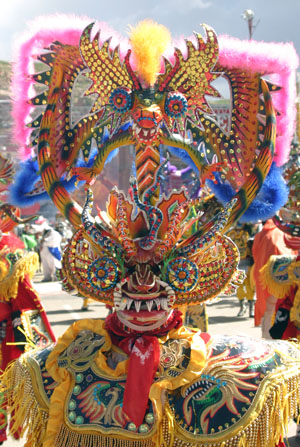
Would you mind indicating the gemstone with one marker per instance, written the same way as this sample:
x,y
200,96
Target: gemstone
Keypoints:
x,y
143,428
72,405
72,416
149,418
131,426
79,378
79,420
76,389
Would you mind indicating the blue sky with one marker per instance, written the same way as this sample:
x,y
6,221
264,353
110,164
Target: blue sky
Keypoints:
x,y
278,20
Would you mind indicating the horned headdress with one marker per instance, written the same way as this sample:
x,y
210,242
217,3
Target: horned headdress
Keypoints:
x,y
148,245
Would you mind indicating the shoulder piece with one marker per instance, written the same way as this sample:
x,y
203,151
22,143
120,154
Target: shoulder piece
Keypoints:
x,y
235,394
280,274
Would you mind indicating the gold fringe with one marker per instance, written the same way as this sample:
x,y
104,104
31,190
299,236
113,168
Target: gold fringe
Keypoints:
x,y
278,289
69,438
277,405
24,410
27,265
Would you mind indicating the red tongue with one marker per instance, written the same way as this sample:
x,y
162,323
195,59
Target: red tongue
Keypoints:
x,y
143,363
146,124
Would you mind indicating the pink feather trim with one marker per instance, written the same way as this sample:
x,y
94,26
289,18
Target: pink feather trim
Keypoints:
x,y
278,62
44,30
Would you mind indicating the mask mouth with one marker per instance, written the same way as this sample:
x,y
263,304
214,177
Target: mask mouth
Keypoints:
x,y
145,132
143,321
146,124
144,311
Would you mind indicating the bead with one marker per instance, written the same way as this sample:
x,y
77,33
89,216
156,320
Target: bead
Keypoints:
x,y
149,418
72,416
72,405
131,426
76,389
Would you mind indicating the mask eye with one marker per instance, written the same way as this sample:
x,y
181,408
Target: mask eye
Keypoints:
x,y
182,274
176,105
103,274
120,100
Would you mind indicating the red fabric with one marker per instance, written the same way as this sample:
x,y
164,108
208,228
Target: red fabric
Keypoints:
x,y
26,299
144,353
286,303
269,241
8,352
11,241
29,299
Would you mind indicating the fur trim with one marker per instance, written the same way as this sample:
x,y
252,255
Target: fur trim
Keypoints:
x,y
272,196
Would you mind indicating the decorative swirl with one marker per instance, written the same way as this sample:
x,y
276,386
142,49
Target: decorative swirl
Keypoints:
x,y
208,238
154,215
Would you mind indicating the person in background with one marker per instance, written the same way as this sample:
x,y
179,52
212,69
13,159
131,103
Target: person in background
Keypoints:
x,y
23,321
50,251
28,238
269,241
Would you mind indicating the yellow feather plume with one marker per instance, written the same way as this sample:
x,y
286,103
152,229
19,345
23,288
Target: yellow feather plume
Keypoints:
x,y
148,41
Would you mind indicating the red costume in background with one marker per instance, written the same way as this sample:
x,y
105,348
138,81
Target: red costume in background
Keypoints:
x,y
269,241
23,321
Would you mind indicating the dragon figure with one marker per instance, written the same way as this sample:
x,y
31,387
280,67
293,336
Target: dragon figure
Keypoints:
x,y
141,378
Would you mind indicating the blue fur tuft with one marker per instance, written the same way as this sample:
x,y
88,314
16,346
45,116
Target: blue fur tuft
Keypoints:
x,y
27,177
272,196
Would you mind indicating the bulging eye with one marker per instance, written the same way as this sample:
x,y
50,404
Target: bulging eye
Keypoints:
x,y
176,105
182,274
120,100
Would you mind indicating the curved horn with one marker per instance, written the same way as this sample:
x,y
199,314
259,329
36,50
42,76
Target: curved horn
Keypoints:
x,y
196,243
10,211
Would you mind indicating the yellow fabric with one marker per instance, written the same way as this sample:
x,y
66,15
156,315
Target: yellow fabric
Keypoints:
x,y
246,290
28,412
27,265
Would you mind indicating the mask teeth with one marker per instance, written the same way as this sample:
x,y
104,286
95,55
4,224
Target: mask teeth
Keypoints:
x,y
138,305
149,305
164,303
122,303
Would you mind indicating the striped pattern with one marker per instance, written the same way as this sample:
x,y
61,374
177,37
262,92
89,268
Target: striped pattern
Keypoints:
x,y
147,161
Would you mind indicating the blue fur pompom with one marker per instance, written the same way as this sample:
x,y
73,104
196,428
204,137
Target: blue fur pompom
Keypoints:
x,y
271,197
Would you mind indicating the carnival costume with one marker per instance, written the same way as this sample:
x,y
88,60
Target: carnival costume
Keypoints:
x,y
140,378
23,322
